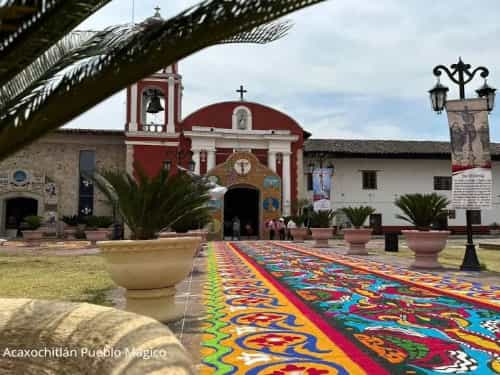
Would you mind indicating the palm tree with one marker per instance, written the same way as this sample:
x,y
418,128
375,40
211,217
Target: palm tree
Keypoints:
x,y
43,85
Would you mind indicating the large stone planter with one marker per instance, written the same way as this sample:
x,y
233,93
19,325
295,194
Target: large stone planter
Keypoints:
x,y
426,245
92,339
149,270
32,235
199,232
357,238
174,235
299,234
97,235
11,234
321,236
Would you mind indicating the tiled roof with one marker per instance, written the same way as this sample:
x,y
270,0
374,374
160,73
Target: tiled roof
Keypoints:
x,y
383,147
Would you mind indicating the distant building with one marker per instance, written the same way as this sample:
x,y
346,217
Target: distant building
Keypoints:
x,y
262,155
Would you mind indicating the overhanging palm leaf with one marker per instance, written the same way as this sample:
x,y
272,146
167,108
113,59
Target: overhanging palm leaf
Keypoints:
x,y
122,55
19,86
31,27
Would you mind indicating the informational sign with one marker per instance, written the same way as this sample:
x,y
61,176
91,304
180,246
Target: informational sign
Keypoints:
x,y
322,184
470,154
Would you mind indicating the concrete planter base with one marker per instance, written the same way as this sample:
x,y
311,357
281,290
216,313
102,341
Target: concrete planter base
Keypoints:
x,y
97,235
149,270
32,235
426,246
299,234
70,233
357,239
321,236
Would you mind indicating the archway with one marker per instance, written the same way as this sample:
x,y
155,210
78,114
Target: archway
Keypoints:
x,y
16,209
242,202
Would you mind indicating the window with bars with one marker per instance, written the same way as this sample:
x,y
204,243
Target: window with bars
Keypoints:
x,y
369,180
475,216
442,182
86,190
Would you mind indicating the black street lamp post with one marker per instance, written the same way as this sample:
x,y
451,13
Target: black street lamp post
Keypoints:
x,y
461,75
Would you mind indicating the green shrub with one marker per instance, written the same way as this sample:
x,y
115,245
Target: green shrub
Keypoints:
x,y
71,221
358,215
422,210
322,218
33,222
104,221
92,222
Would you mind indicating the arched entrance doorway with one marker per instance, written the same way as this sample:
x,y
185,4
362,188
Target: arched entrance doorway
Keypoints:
x,y
242,202
16,209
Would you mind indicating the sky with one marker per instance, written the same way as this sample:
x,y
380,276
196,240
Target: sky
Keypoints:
x,y
348,69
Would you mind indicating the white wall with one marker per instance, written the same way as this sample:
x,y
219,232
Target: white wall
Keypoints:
x,y
396,177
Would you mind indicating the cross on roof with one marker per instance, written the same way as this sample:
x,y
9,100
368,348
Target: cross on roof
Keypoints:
x,y
157,9
242,92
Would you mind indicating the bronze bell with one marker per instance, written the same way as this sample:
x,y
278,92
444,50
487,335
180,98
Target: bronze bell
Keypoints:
x,y
154,105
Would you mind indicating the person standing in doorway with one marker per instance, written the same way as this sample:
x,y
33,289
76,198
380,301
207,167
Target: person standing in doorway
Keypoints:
x,y
291,225
281,228
236,228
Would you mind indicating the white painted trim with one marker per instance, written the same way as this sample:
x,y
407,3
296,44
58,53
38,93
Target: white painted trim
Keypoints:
x,y
271,160
286,185
152,143
143,134
133,108
243,136
171,106
207,129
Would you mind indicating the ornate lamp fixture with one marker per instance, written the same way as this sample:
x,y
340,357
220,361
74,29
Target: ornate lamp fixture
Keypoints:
x,y
488,92
438,94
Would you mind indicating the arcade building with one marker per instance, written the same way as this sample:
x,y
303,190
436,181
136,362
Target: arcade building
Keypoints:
x,y
263,156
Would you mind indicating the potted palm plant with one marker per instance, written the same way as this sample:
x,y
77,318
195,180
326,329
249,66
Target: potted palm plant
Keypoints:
x,y
70,226
321,229
357,237
300,232
33,224
147,267
424,210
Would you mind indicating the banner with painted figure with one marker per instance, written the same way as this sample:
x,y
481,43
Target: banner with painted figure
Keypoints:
x,y
470,154
322,183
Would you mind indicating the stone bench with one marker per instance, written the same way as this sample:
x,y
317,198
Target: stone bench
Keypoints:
x,y
80,338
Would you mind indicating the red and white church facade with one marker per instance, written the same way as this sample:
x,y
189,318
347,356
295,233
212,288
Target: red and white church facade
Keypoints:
x,y
253,150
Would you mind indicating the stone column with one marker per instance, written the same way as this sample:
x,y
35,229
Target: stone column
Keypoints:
x,y
286,184
129,159
210,159
271,160
134,106
171,107
197,161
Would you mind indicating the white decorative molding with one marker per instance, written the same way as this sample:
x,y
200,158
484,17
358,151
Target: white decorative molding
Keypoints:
x,y
144,134
235,119
286,184
152,143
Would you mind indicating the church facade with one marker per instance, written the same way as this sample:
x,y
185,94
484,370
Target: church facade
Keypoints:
x,y
262,155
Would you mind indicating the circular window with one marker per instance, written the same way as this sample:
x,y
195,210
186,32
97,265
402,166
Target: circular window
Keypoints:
x,y
20,177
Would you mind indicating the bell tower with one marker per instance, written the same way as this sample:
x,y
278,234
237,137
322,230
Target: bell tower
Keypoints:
x,y
154,113
154,103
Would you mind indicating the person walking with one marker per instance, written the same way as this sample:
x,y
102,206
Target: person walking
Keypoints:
x,y
236,228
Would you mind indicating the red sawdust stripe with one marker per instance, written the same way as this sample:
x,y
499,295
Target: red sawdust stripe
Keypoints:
x,y
396,278
350,350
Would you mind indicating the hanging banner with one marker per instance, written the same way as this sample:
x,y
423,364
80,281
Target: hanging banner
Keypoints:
x,y
322,183
470,154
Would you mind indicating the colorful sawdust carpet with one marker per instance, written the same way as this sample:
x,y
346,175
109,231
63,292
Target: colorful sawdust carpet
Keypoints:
x,y
277,310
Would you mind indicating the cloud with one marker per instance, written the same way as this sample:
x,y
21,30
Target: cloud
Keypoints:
x,y
371,61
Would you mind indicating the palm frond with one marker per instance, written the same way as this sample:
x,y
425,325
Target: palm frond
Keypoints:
x,y
262,34
32,27
121,55
358,215
41,65
422,210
